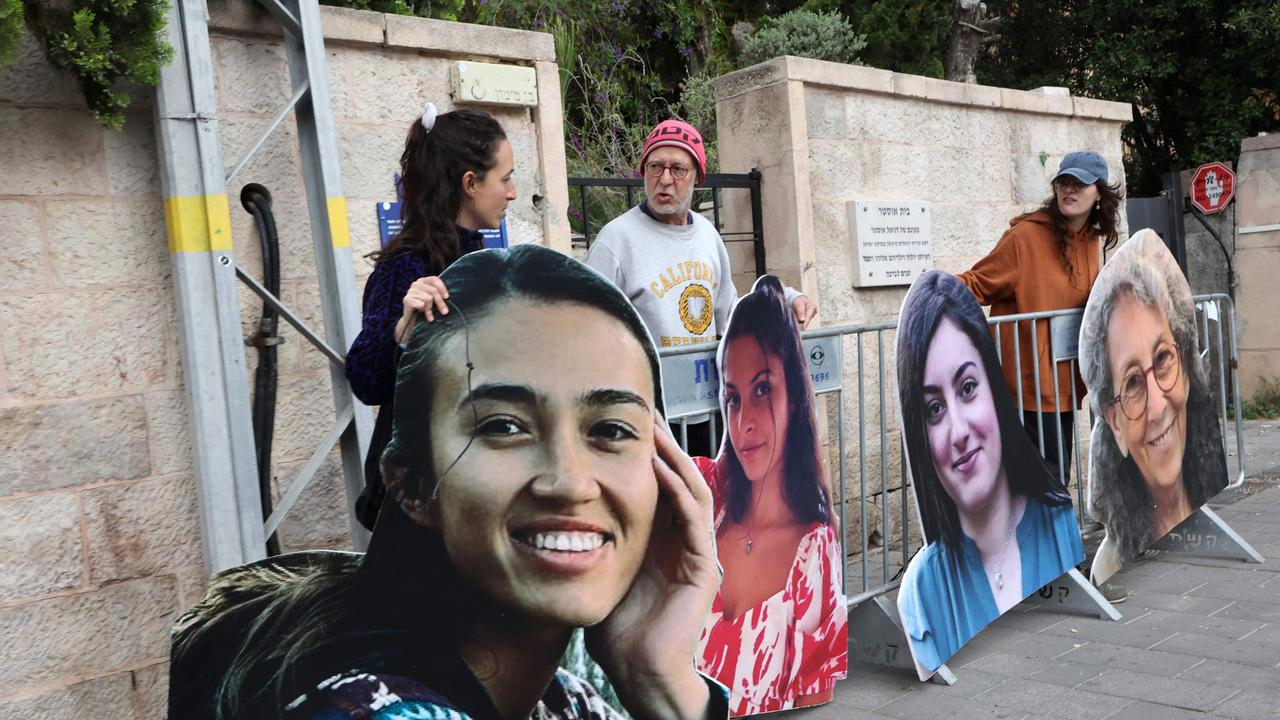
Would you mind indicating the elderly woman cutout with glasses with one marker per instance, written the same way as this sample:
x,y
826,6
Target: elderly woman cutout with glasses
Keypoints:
x,y
1156,451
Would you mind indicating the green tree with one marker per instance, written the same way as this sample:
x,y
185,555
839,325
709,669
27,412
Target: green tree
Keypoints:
x,y
907,37
1200,74
108,45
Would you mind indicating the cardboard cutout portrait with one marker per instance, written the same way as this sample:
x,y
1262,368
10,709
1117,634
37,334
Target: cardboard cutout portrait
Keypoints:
x,y
997,523
1156,452
532,490
777,635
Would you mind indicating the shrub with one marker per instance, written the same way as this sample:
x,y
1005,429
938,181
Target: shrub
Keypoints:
x,y
817,35
1265,402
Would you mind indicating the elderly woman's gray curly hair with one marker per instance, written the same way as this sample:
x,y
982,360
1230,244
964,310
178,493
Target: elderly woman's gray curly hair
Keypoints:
x,y
1144,270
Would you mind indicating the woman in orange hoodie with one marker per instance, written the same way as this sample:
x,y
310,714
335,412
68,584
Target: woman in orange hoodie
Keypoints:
x,y
1048,260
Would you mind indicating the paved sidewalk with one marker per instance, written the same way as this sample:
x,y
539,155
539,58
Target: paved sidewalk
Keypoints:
x,y
1200,638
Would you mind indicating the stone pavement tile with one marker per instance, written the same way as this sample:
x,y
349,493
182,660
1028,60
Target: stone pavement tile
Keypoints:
x,y
1147,568
939,706
1040,698
1033,621
1142,710
1201,579
1251,705
1252,610
1156,662
1242,590
1179,692
1069,674
1235,675
1260,651
1015,642
1132,633
1209,625
834,710
1148,600
1010,666
871,691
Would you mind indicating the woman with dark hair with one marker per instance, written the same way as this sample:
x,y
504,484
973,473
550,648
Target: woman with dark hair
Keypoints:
x,y
1156,453
997,524
529,494
1048,260
777,635
455,174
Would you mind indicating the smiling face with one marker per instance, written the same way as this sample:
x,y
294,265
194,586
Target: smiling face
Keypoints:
x,y
961,421
549,509
669,198
756,408
1157,440
1075,199
484,202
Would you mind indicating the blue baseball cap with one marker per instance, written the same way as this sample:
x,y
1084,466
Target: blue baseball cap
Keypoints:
x,y
1086,166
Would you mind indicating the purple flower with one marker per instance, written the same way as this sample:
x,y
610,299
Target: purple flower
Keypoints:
x,y
686,51
657,32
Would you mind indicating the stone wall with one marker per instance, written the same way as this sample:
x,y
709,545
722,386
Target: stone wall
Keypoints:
x,y
824,134
1257,260
99,533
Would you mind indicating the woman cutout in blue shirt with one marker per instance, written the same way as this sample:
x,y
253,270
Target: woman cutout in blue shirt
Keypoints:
x,y
997,524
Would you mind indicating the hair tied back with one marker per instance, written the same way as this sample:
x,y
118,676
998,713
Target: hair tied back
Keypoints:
x,y
429,117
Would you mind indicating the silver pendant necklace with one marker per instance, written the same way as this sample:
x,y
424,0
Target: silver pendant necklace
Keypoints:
x,y
999,574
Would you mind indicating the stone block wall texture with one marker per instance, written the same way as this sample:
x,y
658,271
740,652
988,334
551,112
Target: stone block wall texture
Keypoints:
x,y
100,541
1257,260
824,134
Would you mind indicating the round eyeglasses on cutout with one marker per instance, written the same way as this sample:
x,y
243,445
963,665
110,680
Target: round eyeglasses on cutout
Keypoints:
x,y
1133,389
655,170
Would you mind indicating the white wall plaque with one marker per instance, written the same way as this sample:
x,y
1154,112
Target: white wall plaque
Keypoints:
x,y
891,242
492,84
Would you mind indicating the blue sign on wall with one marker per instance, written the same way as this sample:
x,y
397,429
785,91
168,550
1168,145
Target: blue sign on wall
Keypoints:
x,y
389,223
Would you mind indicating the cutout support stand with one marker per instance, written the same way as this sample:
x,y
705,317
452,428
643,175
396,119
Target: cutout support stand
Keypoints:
x,y
1075,593
882,641
1204,533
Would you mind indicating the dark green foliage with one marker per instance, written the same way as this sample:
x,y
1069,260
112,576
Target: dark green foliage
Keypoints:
x,y
106,44
817,35
1201,74
906,37
11,16
1264,404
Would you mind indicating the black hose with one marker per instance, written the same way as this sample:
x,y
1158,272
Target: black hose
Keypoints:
x,y
257,200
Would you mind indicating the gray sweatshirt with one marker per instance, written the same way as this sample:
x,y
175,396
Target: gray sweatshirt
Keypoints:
x,y
677,276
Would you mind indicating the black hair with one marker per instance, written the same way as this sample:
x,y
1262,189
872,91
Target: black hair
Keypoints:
x,y
252,651
935,296
431,170
762,315
1144,270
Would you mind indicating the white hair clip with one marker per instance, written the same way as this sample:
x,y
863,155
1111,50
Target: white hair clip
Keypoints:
x,y
429,117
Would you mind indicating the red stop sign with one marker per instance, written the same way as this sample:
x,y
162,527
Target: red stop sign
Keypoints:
x,y
1212,187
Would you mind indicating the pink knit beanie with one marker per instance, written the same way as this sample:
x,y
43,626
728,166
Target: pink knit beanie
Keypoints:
x,y
679,134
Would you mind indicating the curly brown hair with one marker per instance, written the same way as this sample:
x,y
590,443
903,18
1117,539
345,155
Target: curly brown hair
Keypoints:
x,y
1104,219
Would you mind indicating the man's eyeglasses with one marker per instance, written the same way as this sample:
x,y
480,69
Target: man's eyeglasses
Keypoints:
x,y
655,170
1133,389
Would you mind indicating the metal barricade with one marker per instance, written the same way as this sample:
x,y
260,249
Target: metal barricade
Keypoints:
x,y
691,388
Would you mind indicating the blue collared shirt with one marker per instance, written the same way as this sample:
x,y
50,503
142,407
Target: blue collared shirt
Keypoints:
x,y
944,602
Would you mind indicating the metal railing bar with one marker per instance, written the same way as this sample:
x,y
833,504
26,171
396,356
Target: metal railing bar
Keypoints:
x,y
308,471
302,90
289,316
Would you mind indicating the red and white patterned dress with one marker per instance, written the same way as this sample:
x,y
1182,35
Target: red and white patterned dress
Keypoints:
x,y
795,642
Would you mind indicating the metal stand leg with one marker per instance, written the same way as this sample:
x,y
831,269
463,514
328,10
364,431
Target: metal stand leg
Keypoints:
x,y
1204,533
1074,592
876,637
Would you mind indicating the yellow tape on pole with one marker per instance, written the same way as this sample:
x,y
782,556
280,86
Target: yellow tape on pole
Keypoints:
x,y
338,227
198,223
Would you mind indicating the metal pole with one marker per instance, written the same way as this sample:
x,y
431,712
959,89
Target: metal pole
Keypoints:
x,y
327,211
198,223
757,221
